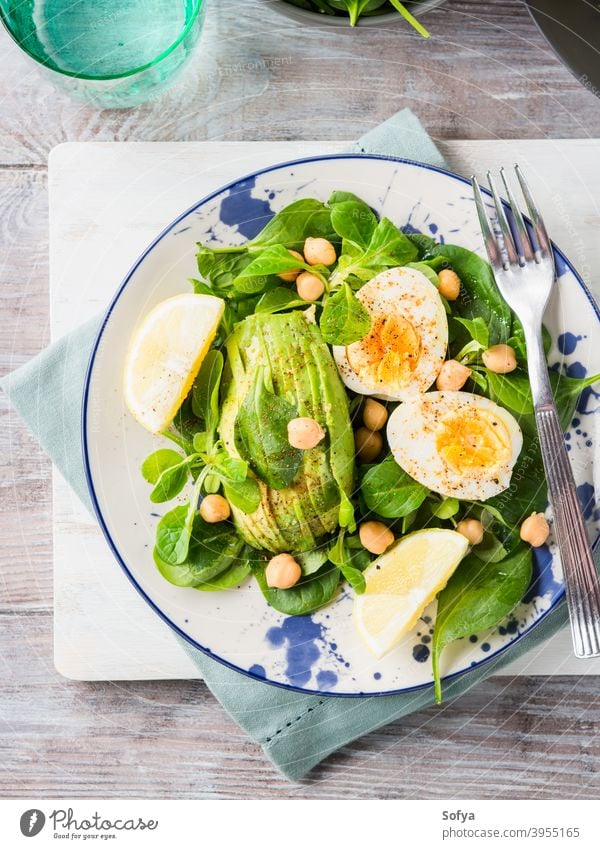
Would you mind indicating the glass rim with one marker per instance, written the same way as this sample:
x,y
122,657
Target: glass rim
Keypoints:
x,y
105,77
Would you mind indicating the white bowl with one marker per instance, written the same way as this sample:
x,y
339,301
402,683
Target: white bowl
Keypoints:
x,y
305,16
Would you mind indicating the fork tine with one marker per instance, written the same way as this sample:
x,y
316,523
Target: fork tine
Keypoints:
x,y
538,223
503,223
491,245
522,241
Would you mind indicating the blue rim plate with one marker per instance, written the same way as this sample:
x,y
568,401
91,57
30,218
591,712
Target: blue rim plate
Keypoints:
x,y
320,653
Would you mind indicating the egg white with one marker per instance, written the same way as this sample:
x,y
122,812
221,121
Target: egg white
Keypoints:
x,y
407,293
412,430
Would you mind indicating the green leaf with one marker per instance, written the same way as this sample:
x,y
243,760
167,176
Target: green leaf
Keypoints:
x,y
231,468
219,267
339,556
344,319
387,248
512,391
426,269
171,482
477,328
490,549
354,221
527,491
213,548
228,579
477,597
244,494
261,438
201,441
390,492
205,392
310,593
155,464
446,508
275,259
311,561
567,391
294,224
278,299
173,535
479,294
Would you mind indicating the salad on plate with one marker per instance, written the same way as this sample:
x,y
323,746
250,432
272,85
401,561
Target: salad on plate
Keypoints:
x,y
343,405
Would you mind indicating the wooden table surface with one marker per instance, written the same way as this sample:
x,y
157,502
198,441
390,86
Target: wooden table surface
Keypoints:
x,y
487,73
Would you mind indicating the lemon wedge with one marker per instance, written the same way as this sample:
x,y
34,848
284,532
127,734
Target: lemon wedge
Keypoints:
x,y
165,355
401,583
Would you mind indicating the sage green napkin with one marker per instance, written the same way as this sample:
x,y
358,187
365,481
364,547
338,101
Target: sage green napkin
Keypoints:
x,y
296,731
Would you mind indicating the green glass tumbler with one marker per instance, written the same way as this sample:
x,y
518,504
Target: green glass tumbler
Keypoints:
x,y
109,53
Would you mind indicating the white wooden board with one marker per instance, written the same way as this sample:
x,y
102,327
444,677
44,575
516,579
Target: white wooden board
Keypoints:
x,y
107,201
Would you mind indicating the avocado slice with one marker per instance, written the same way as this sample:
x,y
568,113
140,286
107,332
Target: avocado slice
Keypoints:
x,y
298,516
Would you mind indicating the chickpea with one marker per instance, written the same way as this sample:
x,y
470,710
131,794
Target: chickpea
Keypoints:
x,y
215,508
310,287
290,276
472,529
283,572
453,376
319,252
304,433
535,530
368,444
500,359
375,537
449,284
374,414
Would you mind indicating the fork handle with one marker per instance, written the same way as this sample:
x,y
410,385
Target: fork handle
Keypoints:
x,y
580,576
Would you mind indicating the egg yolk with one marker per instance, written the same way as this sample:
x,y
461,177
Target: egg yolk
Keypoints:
x,y
389,354
473,439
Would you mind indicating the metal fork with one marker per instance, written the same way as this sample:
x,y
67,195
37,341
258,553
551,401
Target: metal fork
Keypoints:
x,y
525,273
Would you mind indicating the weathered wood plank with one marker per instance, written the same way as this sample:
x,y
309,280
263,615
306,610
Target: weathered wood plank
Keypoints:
x,y
260,75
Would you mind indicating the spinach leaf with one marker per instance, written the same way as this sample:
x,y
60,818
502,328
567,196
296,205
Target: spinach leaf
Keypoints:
x,y
338,555
260,434
479,294
245,494
205,392
219,268
228,579
171,481
158,462
387,248
173,534
272,260
478,596
213,549
478,329
311,561
426,269
344,319
310,593
527,491
388,490
511,390
294,224
567,392
342,197
279,299
354,221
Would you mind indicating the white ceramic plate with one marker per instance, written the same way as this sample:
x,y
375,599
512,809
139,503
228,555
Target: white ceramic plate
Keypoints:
x,y
321,652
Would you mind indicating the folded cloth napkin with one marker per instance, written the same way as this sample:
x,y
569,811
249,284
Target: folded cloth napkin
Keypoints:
x,y
296,731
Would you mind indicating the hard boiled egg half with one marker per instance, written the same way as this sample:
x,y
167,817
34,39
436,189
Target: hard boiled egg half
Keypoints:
x,y
456,443
406,346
